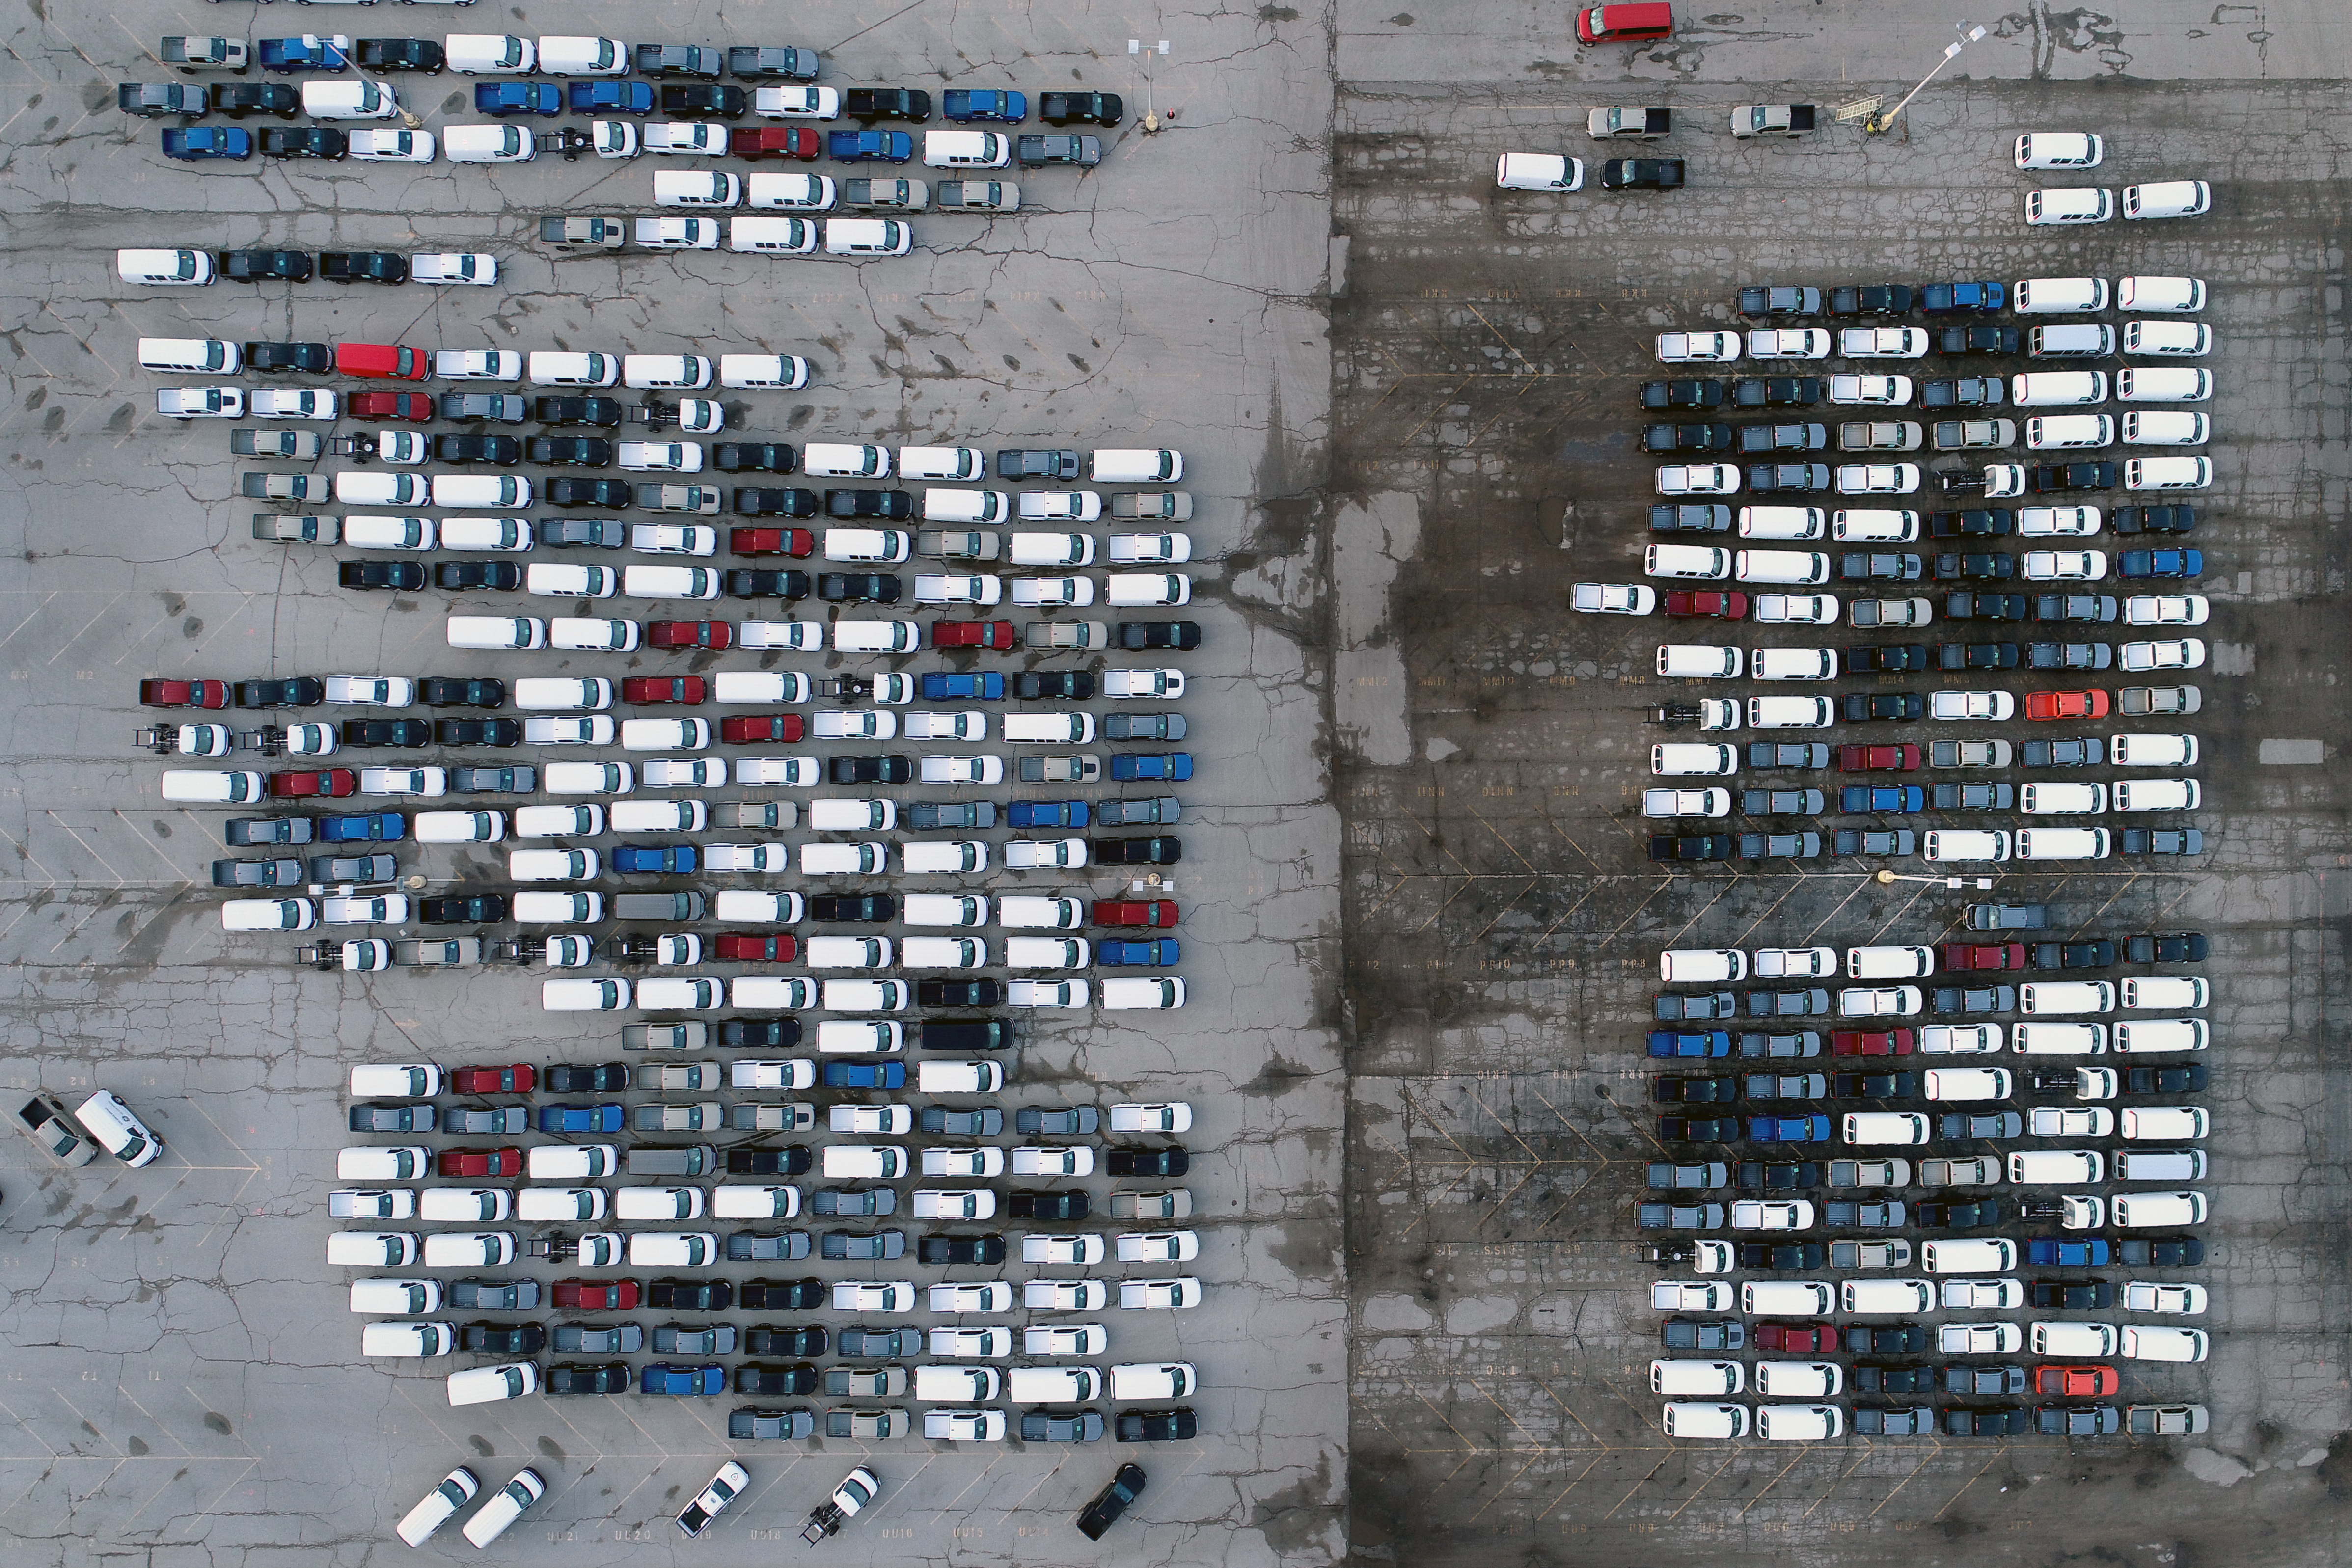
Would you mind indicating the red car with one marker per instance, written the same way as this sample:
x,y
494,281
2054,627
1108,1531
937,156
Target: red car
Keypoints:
x,y
687,689
386,361
1721,606
1872,1042
2075,1380
689,635
481,1162
2066,705
1878,758
1158,912
775,141
745,947
1805,1339
413,406
1990,956
795,542
183,694
328,781
516,1079
972,635
751,729
598,1296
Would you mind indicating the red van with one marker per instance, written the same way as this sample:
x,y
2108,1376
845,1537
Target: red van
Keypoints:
x,y
383,359
1625,24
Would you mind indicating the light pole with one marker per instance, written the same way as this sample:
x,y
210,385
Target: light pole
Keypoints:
x,y
1891,877
1150,121
1951,51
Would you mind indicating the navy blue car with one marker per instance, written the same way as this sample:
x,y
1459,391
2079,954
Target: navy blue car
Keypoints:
x,y
1158,953
864,1075
1789,1129
512,98
2067,1251
1173,765
864,146
309,52
662,1378
656,858
378,828
1047,813
580,1118
195,144
611,98
1004,107
1882,798
2163,563
945,685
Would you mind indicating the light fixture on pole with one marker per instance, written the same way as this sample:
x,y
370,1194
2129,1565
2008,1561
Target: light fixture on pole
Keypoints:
x,y
1150,121
1979,882
1951,51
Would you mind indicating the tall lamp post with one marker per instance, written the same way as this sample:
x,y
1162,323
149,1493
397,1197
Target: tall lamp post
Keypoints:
x,y
1951,51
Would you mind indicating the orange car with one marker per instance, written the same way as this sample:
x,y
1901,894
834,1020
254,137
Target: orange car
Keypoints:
x,y
2074,1381
2066,705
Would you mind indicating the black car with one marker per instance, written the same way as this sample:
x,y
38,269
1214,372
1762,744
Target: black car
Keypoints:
x,y
1047,1205
568,1078
961,1249
387,732
1885,1339
305,141
258,266
299,691
1642,174
2167,947
1699,1129
597,411
759,1034
754,457
401,575
1126,1486
258,873
1685,393
858,587
872,103
1689,518
457,576
271,358
1894,658
2078,751
2097,953
2069,656
236,100
362,267
894,505
1861,707
1964,999
1776,391
1783,1254
2049,478
569,450
1780,437
1977,340
1975,567
759,503
1034,462
613,493
498,732
402,55
773,1295
1156,1427
1688,438
1146,1162
1080,108
1969,391
799,1378
2175,520
1160,849
455,691
865,908
502,1339
2160,1251
1136,636
693,1295
1879,566
885,769
1939,1214
799,1340
573,1377
1962,1423
1965,605
1871,1086
2069,1295
1893,1377
959,993
1871,299
1690,846
1715,1091
750,582
504,451
1071,686
693,101
1976,656
1755,1176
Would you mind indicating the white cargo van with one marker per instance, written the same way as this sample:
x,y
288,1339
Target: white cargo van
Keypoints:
x,y
1904,963
1794,664
1048,729
268,915
1702,965
2168,473
869,237
401,1298
863,544
2062,843
2059,1039
1136,588
1716,1422
2046,296
2163,384
1875,1296
949,465
496,631
698,188
1865,1128
2164,1343
194,354
558,368
2060,998
966,150
1857,526
1052,1384
207,787
1701,1377
1017,912
2087,1341
2056,1167
178,267
567,55
1685,560
481,490
964,505
1968,1083
1780,522
1791,713
1968,1255
1964,844
562,693
1695,659
117,1130
2145,991
2053,389
1776,566
1135,465
2162,1034
2072,340
1675,759
941,909
876,636
2141,1211
1786,1298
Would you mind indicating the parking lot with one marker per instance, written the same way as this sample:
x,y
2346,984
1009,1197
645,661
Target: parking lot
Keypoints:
x,y
1407,406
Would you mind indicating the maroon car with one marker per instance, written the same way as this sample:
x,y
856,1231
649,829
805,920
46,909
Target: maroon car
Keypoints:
x,y
1878,758
518,1078
688,689
972,635
324,781
1872,1042
481,1162
794,542
748,948
1154,911
1689,601
775,141
1802,1339
183,694
598,1296
1984,956
689,635
751,729
417,407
